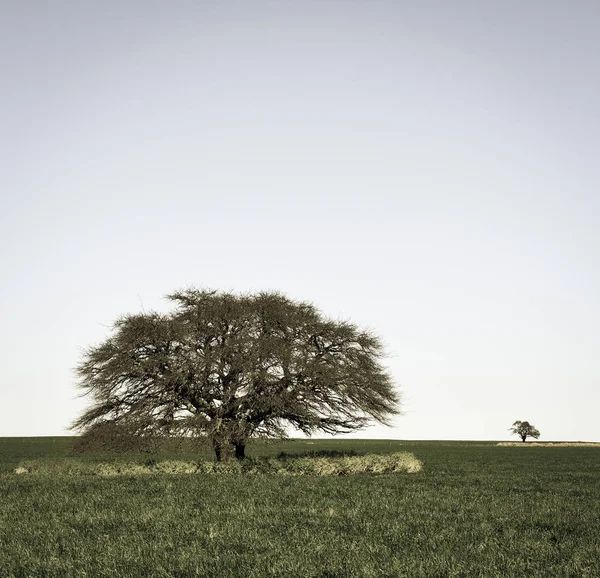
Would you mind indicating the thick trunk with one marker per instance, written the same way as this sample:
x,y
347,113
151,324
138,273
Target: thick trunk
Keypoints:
x,y
523,438
240,450
226,452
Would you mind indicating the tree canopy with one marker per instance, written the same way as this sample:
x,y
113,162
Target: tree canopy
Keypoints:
x,y
524,430
226,367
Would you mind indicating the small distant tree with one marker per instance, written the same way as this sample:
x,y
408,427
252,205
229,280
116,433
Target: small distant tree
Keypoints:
x,y
524,430
225,368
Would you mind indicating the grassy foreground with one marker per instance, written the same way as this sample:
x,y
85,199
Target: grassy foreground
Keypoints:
x,y
475,509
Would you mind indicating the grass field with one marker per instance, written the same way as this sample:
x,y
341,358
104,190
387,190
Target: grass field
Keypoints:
x,y
474,510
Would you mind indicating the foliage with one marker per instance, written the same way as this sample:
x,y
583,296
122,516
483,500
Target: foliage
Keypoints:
x,y
524,430
113,437
225,368
474,510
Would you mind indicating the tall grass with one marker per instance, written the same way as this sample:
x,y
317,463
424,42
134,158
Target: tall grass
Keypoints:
x,y
316,464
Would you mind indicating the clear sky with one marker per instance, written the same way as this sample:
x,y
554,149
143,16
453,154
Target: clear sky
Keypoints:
x,y
426,169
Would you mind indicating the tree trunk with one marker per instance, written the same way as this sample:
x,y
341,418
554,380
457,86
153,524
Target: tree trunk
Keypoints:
x,y
523,438
240,450
217,447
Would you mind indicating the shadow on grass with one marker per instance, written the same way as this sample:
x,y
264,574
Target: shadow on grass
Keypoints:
x,y
319,454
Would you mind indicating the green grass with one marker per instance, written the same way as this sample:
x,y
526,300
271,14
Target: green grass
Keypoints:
x,y
475,509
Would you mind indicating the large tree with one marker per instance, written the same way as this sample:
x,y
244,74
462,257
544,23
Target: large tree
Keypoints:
x,y
226,367
524,430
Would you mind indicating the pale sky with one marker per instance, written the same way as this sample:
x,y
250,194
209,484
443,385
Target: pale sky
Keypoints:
x,y
425,169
